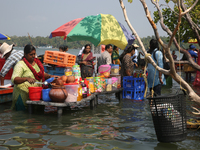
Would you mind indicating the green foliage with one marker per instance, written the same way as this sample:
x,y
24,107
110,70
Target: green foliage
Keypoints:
x,y
130,1
171,20
21,41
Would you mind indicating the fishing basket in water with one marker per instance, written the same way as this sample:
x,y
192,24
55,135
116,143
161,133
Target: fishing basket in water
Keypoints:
x,y
169,117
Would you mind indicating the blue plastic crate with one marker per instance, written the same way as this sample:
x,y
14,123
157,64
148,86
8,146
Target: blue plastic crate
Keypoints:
x,y
128,94
139,94
134,94
131,82
54,70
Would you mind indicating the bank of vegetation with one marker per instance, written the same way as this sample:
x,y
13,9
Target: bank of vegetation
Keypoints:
x,y
21,41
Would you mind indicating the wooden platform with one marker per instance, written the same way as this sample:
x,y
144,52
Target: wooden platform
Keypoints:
x,y
93,98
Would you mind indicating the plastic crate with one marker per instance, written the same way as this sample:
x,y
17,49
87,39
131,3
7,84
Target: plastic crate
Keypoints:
x,y
59,58
131,82
9,74
54,70
134,94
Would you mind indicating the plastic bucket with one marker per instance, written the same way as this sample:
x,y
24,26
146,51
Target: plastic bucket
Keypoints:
x,y
35,93
45,95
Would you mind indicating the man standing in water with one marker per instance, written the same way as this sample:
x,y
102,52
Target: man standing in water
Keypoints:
x,y
156,82
12,57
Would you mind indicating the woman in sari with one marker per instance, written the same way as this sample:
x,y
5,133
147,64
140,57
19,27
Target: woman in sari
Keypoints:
x,y
86,62
127,66
26,72
115,55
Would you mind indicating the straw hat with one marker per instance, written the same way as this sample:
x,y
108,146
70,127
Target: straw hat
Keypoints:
x,y
5,48
135,45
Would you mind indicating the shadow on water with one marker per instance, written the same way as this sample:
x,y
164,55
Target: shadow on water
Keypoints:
x,y
112,125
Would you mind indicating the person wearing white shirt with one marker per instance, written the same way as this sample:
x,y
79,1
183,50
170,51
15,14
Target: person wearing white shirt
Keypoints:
x,y
134,57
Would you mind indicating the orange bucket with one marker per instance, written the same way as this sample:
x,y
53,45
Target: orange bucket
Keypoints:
x,y
35,93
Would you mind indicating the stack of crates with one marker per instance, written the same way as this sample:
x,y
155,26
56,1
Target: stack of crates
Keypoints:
x,y
134,88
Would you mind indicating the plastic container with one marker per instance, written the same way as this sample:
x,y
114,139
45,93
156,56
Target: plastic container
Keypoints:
x,y
114,69
104,70
76,72
45,95
68,71
35,93
73,93
84,89
97,84
114,83
103,84
91,84
109,84
118,80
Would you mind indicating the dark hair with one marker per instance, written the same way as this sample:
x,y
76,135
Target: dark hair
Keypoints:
x,y
154,44
29,48
127,50
114,47
142,62
61,47
108,46
85,47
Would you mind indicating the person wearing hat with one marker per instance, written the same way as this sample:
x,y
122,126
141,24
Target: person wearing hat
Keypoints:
x,y
134,57
191,51
12,57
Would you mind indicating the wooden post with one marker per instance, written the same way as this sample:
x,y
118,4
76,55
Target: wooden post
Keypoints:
x,y
92,103
30,109
59,111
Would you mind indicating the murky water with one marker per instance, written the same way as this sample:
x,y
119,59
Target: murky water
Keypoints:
x,y
112,125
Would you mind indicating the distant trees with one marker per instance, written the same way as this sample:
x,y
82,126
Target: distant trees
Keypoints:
x,y
21,41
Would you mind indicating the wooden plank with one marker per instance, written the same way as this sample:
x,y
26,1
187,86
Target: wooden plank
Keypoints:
x,y
65,104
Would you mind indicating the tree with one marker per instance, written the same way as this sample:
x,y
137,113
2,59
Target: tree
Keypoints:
x,y
188,29
166,46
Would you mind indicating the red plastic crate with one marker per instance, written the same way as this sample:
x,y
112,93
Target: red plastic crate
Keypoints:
x,y
62,59
9,74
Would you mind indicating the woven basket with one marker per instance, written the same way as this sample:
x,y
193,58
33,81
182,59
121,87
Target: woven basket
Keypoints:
x,y
169,117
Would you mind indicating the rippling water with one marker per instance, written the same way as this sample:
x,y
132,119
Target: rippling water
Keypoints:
x,y
112,125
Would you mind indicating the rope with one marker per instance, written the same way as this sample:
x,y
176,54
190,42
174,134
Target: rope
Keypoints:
x,y
145,78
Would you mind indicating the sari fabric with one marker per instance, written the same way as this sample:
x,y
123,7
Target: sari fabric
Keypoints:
x,y
115,57
87,70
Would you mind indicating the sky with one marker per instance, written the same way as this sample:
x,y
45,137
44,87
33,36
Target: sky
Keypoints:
x,y
41,17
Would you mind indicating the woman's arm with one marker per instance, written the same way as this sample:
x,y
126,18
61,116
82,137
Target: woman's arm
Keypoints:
x,y
19,80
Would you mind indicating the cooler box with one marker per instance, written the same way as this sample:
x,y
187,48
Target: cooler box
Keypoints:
x,y
59,71
59,58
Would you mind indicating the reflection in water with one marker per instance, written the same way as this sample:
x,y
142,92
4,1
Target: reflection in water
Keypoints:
x,y
113,125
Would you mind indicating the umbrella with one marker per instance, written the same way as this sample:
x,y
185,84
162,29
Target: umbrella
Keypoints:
x,y
4,37
99,29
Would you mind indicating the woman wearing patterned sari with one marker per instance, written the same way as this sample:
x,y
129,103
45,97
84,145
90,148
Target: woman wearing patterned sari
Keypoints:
x,y
115,55
26,72
86,62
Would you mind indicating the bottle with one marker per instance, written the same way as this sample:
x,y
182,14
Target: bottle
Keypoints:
x,y
84,89
87,85
79,93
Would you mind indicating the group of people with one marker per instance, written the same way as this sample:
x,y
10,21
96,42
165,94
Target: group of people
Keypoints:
x,y
28,69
